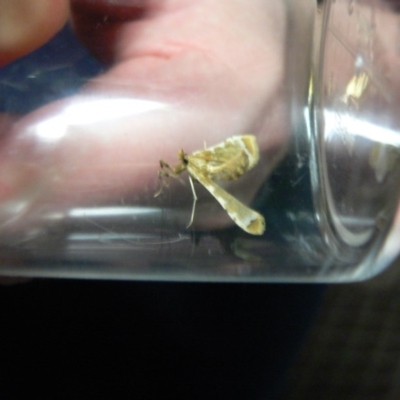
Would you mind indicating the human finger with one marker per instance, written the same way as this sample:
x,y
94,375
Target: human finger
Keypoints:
x,y
174,85
26,25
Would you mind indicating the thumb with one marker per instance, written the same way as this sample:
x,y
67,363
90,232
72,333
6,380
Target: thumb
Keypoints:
x,y
26,25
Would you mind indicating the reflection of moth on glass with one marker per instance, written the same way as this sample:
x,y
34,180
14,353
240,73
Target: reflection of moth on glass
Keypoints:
x,y
356,89
227,161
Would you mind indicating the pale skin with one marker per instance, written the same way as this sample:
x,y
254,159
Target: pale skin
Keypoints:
x,y
215,68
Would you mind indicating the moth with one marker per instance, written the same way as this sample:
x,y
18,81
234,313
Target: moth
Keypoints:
x,y
226,161
356,89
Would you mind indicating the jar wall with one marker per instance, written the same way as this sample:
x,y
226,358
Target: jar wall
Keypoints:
x,y
87,120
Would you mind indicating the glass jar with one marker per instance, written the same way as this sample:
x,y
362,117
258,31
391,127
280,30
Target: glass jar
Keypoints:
x,y
275,123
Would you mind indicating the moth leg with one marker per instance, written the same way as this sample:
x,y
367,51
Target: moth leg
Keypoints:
x,y
194,202
163,173
167,171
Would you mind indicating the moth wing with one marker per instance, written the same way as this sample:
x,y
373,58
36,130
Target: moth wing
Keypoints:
x,y
249,220
230,159
234,144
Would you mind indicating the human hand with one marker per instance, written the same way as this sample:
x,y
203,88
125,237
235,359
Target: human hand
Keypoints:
x,y
204,70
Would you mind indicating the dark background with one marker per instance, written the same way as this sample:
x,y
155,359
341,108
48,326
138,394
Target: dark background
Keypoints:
x,y
69,339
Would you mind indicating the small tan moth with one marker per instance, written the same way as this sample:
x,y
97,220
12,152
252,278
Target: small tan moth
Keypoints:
x,y
227,161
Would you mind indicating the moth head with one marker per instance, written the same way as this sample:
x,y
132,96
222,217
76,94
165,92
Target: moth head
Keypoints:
x,y
182,157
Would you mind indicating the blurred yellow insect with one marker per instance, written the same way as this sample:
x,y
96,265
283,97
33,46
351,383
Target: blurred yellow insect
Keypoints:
x,y
227,161
356,89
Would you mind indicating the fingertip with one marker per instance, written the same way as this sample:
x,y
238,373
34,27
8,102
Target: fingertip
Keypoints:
x,y
26,25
